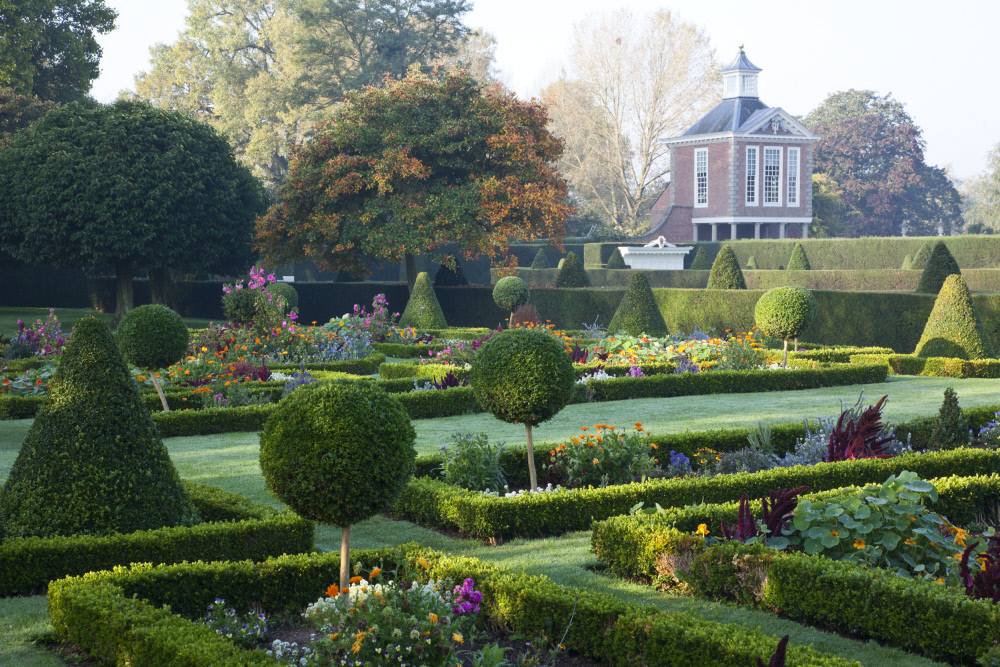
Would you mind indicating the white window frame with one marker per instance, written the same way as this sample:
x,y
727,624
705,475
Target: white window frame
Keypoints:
x,y
763,185
754,191
697,152
732,85
792,177
749,85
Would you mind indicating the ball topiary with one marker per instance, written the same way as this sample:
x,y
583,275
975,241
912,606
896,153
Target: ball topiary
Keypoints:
x,y
541,261
638,313
572,273
726,273
240,306
920,259
423,311
152,337
523,376
752,264
798,260
940,265
285,290
616,261
700,261
448,277
954,328
511,292
93,462
785,312
338,453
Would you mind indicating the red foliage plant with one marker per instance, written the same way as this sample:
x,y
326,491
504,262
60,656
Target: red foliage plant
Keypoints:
x,y
859,438
578,355
778,659
778,506
985,583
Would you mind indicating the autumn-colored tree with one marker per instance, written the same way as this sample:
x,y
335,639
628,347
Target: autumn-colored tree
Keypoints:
x,y
19,111
413,165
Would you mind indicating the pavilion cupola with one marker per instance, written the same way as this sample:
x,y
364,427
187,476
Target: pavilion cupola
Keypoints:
x,y
739,78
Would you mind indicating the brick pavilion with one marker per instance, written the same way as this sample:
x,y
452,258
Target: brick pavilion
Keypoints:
x,y
742,171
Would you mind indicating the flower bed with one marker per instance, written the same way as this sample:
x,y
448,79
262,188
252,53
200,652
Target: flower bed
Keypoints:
x,y
233,529
119,616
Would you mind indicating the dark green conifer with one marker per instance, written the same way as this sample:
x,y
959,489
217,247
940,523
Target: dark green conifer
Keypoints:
x,y
954,328
907,263
951,429
572,273
726,273
423,311
752,264
540,261
638,313
920,259
940,265
616,261
798,261
700,261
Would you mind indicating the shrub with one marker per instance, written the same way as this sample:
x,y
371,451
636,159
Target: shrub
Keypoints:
x,y
423,310
511,292
290,294
954,328
523,376
88,471
240,306
726,273
638,313
951,429
940,265
862,437
602,458
616,261
473,463
785,312
338,453
920,259
752,263
152,337
448,277
700,261
798,260
526,314
572,273
541,261
907,263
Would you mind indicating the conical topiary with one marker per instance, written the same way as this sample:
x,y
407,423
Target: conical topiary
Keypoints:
x,y
940,265
798,261
616,261
93,462
540,261
907,263
954,328
423,310
572,273
752,264
700,261
447,277
638,313
920,259
726,273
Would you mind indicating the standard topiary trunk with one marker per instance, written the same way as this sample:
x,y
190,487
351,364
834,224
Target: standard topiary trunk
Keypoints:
x,y
345,563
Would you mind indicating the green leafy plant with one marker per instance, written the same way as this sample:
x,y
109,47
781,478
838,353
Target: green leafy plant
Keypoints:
x,y
572,273
152,337
605,457
785,312
473,463
951,428
289,294
726,272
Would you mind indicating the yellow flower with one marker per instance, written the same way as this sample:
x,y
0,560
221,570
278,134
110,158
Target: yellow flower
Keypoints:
x,y
204,349
702,529
334,635
458,638
595,462
859,544
433,619
423,563
835,533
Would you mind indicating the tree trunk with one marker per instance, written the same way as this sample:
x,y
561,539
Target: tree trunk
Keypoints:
x,y
123,290
411,271
784,355
531,459
156,383
796,344
345,563
159,285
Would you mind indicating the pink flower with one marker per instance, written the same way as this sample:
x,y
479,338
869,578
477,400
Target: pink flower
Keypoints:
x,y
239,286
270,277
293,316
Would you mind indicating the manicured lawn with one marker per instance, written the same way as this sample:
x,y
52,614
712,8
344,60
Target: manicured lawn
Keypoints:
x,y
67,318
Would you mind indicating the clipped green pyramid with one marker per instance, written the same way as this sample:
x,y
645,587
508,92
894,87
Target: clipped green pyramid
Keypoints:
x,y
907,263
700,261
940,265
726,273
572,273
638,313
447,277
752,264
920,259
540,261
423,310
93,462
798,260
954,328
616,261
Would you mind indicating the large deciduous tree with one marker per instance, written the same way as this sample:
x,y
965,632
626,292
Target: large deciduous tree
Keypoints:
x,y
17,112
982,198
412,166
48,47
126,186
631,80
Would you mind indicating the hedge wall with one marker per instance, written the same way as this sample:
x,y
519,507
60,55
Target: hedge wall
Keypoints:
x,y
904,364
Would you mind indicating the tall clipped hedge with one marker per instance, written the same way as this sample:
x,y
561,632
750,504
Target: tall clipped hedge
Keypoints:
x,y
572,273
700,261
638,313
798,261
940,265
423,310
726,273
954,329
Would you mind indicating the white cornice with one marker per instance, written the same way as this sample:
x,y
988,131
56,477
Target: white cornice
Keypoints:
x,y
724,136
741,219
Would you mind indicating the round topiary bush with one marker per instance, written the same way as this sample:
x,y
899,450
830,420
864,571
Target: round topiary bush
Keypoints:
x,y
338,453
523,376
785,312
240,306
152,337
511,292
287,291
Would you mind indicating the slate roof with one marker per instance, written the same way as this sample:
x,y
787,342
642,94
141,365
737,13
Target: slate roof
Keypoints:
x,y
741,62
728,116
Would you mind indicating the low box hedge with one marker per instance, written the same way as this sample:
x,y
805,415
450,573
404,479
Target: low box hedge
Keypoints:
x,y
428,371
367,366
840,355
18,366
907,364
433,503
233,529
401,351
130,615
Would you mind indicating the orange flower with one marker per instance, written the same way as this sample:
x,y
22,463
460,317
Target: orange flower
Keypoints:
x,y
638,424
377,571
458,638
334,635
423,563
355,580
584,428
596,462
433,618
654,446
333,591
835,533
859,544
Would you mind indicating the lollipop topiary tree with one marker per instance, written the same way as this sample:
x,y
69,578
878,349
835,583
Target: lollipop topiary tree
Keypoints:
x,y
509,293
152,337
785,312
289,293
338,453
523,376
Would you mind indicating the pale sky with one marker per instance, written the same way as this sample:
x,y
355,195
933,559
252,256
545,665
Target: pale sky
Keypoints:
x,y
932,56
